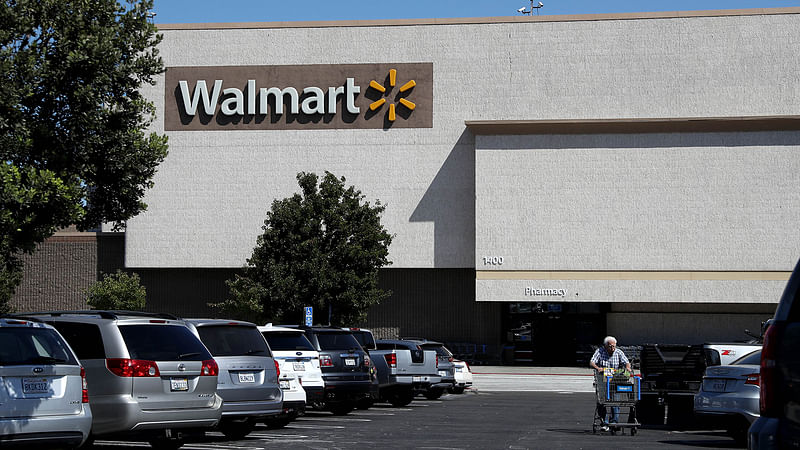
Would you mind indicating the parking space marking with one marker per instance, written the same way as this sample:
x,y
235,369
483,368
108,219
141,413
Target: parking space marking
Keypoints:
x,y
312,427
334,419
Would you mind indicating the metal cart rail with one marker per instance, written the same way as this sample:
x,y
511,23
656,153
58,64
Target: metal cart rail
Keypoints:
x,y
617,389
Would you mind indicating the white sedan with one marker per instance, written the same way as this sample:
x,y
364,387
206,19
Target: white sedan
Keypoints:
x,y
463,377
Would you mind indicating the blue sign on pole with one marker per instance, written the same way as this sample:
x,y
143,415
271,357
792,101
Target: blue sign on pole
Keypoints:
x,y
309,315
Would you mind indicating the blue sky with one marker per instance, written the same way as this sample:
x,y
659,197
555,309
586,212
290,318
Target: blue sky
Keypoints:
x,y
199,11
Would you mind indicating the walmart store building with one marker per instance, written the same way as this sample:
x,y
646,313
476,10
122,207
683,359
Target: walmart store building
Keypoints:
x,y
549,180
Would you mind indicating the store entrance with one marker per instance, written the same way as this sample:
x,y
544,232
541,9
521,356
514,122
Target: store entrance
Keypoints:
x,y
551,334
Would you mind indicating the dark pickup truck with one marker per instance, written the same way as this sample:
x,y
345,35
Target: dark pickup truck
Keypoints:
x,y
673,373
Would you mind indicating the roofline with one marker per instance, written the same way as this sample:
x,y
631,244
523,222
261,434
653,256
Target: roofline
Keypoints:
x,y
636,126
479,20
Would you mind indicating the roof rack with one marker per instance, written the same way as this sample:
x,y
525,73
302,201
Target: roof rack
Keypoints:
x,y
105,314
19,317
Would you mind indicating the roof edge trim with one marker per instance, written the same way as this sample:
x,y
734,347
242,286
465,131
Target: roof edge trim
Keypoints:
x,y
479,20
635,126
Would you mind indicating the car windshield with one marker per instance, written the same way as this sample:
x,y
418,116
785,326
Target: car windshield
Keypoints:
x,y
233,340
337,341
163,343
753,358
26,346
283,341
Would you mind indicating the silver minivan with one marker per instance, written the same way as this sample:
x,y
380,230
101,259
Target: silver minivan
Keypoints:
x,y
248,375
149,377
43,396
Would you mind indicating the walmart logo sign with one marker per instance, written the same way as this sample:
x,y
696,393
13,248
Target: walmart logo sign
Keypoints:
x,y
299,97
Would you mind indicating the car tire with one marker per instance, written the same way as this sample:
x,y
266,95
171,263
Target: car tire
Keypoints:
x,y
163,443
277,423
401,397
365,403
456,390
237,430
341,409
434,393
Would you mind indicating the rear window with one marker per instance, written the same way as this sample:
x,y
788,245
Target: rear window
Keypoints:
x,y
27,346
84,338
283,341
753,358
440,349
233,340
365,339
163,343
337,341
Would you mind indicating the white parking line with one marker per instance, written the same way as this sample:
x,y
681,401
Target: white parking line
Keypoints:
x,y
332,419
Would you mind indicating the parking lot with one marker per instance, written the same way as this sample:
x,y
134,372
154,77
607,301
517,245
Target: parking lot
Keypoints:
x,y
510,407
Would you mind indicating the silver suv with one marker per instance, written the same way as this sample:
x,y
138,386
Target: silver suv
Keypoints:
x,y
248,375
150,378
43,397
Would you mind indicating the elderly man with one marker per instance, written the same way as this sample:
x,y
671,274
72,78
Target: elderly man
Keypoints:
x,y
609,356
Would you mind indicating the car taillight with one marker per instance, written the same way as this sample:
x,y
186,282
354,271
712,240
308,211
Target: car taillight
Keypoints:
x,y
84,387
277,367
123,367
325,361
769,403
209,368
391,359
437,362
752,378
466,364
449,359
366,361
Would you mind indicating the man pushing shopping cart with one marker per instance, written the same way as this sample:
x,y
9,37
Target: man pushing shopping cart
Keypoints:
x,y
615,387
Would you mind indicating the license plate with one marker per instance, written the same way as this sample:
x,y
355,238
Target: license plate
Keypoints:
x,y
35,386
247,378
458,369
416,379
284,384
349,362
299,367
442,373
718,386
179,384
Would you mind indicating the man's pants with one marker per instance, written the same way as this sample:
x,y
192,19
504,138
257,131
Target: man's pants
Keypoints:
x,y
601,411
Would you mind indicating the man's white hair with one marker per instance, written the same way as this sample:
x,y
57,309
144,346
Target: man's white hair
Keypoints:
x,y
609,339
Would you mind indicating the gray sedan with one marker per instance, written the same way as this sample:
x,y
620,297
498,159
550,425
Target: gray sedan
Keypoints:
x,y
729,395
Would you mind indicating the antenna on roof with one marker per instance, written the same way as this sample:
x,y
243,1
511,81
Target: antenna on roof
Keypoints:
x,y
529,11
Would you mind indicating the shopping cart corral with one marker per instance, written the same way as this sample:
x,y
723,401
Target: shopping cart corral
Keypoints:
x,y
616,389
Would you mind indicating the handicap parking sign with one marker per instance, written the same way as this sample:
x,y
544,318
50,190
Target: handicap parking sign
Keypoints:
x,y
309,313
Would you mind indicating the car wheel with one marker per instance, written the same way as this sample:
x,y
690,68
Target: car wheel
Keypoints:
x,y
433,394
237,430
365,403
341,409
401,397
456,390
163,443
277,423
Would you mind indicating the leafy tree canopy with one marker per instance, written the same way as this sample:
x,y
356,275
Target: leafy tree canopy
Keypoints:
x,y
117,291
72,146
321,247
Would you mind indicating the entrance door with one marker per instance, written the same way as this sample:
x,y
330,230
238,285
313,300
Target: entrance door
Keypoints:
x,y
551,334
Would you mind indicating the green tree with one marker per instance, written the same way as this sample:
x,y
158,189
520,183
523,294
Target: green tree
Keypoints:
x,y
322,248
72,146
117,291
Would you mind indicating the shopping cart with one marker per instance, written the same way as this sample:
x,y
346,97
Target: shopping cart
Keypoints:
x,y
617,389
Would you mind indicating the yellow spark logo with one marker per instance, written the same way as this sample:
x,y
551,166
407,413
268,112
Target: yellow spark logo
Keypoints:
x,y
403,89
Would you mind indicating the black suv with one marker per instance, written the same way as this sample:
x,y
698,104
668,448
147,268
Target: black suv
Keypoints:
x,y
345,368
779,424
